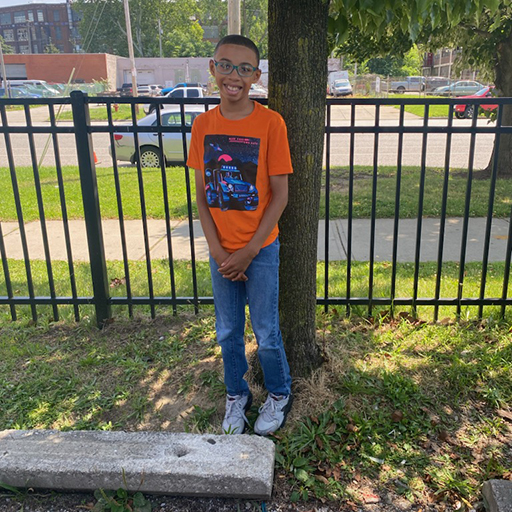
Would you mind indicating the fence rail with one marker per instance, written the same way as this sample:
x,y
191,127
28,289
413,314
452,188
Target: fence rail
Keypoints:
x,y
348,122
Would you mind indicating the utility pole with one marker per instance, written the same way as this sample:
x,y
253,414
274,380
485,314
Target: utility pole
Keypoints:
x,y
160,37
4,75
233,16
130,47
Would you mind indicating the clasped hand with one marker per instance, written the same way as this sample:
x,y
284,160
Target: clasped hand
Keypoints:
x,y
233,267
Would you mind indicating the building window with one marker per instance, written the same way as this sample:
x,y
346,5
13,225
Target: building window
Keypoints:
x,y
56,15
19,17
9,34
58,33
30,15
35,49
24,49
5,18
40,15
22,34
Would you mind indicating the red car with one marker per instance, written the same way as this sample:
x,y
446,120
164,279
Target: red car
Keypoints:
x,y
465,111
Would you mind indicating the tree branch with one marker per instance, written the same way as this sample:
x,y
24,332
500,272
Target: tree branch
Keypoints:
x,y
480,32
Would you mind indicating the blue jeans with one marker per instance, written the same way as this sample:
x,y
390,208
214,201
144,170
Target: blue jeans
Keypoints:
x,y
261,291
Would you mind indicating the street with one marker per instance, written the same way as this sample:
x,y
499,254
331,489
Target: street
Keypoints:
x,y
339,146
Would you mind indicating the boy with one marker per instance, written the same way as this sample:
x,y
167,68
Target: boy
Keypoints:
x,y
240,154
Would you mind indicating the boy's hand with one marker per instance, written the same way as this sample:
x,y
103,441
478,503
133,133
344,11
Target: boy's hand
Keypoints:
x,y
235,265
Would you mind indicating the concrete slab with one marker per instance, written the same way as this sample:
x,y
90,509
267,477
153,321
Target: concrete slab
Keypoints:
x,y
152,462
498,495
407,230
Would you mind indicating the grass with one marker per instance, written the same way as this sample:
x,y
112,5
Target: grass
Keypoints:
x,y
400,407
178,205
124,113
183,276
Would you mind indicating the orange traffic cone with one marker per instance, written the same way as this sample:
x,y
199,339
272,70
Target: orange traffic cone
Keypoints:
x,y
95,158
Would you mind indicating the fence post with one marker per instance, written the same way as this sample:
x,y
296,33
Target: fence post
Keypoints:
x,y
89,184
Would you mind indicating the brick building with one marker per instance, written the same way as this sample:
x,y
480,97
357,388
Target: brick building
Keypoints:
x,y
30,28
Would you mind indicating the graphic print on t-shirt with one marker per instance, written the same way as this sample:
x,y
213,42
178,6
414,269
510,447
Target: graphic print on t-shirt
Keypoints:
x,y
230,170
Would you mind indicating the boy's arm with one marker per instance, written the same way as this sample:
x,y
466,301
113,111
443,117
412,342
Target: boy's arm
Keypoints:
x,y
236,263
218,253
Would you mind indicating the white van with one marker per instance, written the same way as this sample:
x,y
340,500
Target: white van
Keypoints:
x,y
21,83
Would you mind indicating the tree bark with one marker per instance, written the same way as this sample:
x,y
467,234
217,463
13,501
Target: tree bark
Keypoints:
x,y
298,53
503,84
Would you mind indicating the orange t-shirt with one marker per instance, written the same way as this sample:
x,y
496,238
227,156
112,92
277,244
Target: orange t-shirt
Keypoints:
x,y
236,159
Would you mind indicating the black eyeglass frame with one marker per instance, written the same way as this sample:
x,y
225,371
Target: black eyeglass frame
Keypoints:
x,y
233,67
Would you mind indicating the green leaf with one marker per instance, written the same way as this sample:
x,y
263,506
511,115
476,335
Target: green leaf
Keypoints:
x,y
122,493
300,462
301,475
294,496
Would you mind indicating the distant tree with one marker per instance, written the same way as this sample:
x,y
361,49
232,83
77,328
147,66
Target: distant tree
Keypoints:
x,y
189,43
51,48
397,65
6,48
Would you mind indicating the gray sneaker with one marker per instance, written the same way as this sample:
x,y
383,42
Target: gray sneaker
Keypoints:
x,y
235,421
273,414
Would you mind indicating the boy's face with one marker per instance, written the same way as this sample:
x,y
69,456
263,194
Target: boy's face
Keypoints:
x,y
233,87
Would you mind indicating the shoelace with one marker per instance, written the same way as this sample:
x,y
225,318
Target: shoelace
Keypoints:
x,y
269,408
238,410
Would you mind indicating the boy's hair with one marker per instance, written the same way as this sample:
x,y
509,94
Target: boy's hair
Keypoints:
x,y
240,41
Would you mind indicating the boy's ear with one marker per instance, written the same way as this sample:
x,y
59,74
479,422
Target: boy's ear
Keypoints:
x,y
212,67
256,76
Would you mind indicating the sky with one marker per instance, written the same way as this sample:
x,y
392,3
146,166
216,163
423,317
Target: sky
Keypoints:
x,y
10,3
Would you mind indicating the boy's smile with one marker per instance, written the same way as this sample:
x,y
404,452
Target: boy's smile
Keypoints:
x,y
234,89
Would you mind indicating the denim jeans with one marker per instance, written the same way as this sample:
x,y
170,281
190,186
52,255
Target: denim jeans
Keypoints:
x,y
261,291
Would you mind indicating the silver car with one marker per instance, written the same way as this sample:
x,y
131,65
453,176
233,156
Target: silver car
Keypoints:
x,y
148,141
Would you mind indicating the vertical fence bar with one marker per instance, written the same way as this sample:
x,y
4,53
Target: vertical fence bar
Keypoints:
x,y
506,275
42,217
465,224
189,211
374,210
488,226
442,220
350,205
120,213
65,221
89,185
327,208
167,214
7,275
142,197
419,225
19,214
394,257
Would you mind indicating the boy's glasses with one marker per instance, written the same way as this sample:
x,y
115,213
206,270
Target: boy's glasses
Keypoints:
x,y
226,68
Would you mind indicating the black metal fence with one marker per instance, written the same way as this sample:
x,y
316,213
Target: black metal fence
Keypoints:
x,y
362,135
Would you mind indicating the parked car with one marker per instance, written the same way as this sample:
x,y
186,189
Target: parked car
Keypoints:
x,y
166,90
19,92
341,87
466,111
433,82
180,92
460,88
409,83
143,90
149,141
126,90
257,91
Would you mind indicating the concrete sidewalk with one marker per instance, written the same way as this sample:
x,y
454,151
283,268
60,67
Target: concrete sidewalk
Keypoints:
x,y
338,240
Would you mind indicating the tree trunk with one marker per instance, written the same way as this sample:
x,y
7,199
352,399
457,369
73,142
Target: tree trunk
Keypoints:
x,y
298,53
504,86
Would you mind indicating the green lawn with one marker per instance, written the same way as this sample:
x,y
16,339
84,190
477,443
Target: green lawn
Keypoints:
x,y
124,113
177,193
183,274
401,409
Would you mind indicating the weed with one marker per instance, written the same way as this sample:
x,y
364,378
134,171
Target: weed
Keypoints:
x,y
120,501
199,419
